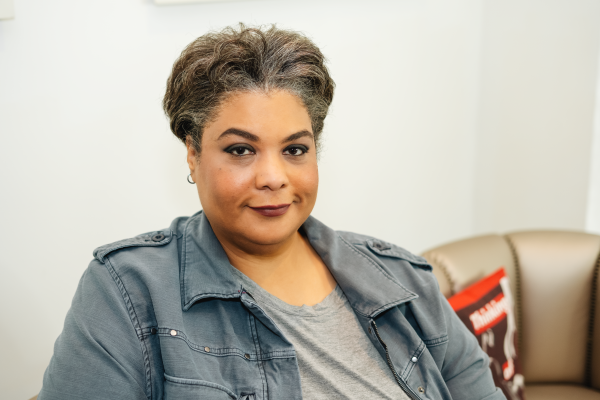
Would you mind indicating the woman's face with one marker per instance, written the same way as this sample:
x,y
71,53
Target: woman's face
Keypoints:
x,y
257,173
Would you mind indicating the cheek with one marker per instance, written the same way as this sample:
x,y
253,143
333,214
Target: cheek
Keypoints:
x,y
307,181
223,185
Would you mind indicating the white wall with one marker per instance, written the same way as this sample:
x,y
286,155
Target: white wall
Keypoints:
x,y
538,86
86,156
593,204
6,9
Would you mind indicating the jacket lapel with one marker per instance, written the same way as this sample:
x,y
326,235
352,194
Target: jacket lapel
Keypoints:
x,y
206,271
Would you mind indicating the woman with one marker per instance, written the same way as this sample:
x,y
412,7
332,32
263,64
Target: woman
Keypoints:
x,y
252,298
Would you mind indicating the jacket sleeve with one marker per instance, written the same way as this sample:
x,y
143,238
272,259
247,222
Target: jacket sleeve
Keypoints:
x,y
466,366
98,354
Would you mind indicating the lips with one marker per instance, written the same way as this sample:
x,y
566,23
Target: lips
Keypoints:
x,y
272,210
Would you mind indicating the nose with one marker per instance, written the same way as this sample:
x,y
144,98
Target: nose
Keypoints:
x,y
271,173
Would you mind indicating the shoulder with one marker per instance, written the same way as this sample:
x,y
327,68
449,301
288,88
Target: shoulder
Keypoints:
x,y
143,263
382,248
149,240
142,271
410,270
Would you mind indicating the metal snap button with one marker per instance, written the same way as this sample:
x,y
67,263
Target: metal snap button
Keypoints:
x,y
173,332
414,359
154,331
377,245
420,389
158,237
247,356
207,349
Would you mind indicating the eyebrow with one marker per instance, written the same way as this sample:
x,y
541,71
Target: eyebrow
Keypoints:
x,y
297,135
253,138
238,132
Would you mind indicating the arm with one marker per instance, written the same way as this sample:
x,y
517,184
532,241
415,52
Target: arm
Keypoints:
x,y
466,367
98,354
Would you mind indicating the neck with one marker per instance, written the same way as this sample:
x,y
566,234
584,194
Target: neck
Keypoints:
x,y
292,270
267,261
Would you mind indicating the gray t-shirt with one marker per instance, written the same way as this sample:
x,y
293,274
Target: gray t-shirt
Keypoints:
x,y
336,358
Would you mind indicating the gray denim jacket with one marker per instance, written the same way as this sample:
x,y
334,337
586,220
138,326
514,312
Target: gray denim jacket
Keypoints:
x,y
161,316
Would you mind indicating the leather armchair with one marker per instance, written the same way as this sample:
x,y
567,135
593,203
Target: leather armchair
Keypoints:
x,y
554,279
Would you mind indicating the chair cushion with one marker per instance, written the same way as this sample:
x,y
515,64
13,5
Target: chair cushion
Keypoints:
x,y
459,264
560,392
556,270
595,364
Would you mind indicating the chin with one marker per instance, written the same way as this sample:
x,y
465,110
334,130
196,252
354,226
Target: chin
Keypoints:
x,y
267,240
269,231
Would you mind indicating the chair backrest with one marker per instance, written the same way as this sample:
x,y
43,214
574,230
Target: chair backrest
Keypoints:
x,y
554,279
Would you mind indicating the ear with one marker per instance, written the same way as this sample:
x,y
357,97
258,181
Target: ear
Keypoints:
x,y
192,154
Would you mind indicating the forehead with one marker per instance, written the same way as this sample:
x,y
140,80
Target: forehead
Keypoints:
x,y
276,113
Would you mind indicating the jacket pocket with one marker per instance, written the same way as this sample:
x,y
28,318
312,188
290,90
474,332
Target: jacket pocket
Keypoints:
x,y
193,389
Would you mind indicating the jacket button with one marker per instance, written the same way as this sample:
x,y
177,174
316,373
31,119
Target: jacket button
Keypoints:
x,y
153,331
158,237
173,332
247,356
420,389
414,359
207,349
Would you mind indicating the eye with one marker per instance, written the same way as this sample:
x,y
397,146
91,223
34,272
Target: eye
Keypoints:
x,y
239,150
295,150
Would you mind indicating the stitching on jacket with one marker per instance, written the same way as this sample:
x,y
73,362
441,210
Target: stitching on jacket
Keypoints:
x,y
194,382
411,365
385,307
370,262
101,255
378,268
135,322
183,264
517,295
228,351
390,252
257,348
436,341
590,338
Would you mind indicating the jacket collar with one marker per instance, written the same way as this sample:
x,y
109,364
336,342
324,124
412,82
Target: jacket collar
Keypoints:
x,y
207,273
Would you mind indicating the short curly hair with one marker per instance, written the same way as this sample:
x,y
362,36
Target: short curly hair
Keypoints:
x,y
244,59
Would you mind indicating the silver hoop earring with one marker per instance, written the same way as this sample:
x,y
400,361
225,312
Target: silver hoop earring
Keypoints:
x,y
189,179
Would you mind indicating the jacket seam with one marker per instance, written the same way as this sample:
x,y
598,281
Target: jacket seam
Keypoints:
x,y
392,253
136,241
225,352
385,275
436,341
194,382
184,264
370,261
377,267
259,352
135,323
411,365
